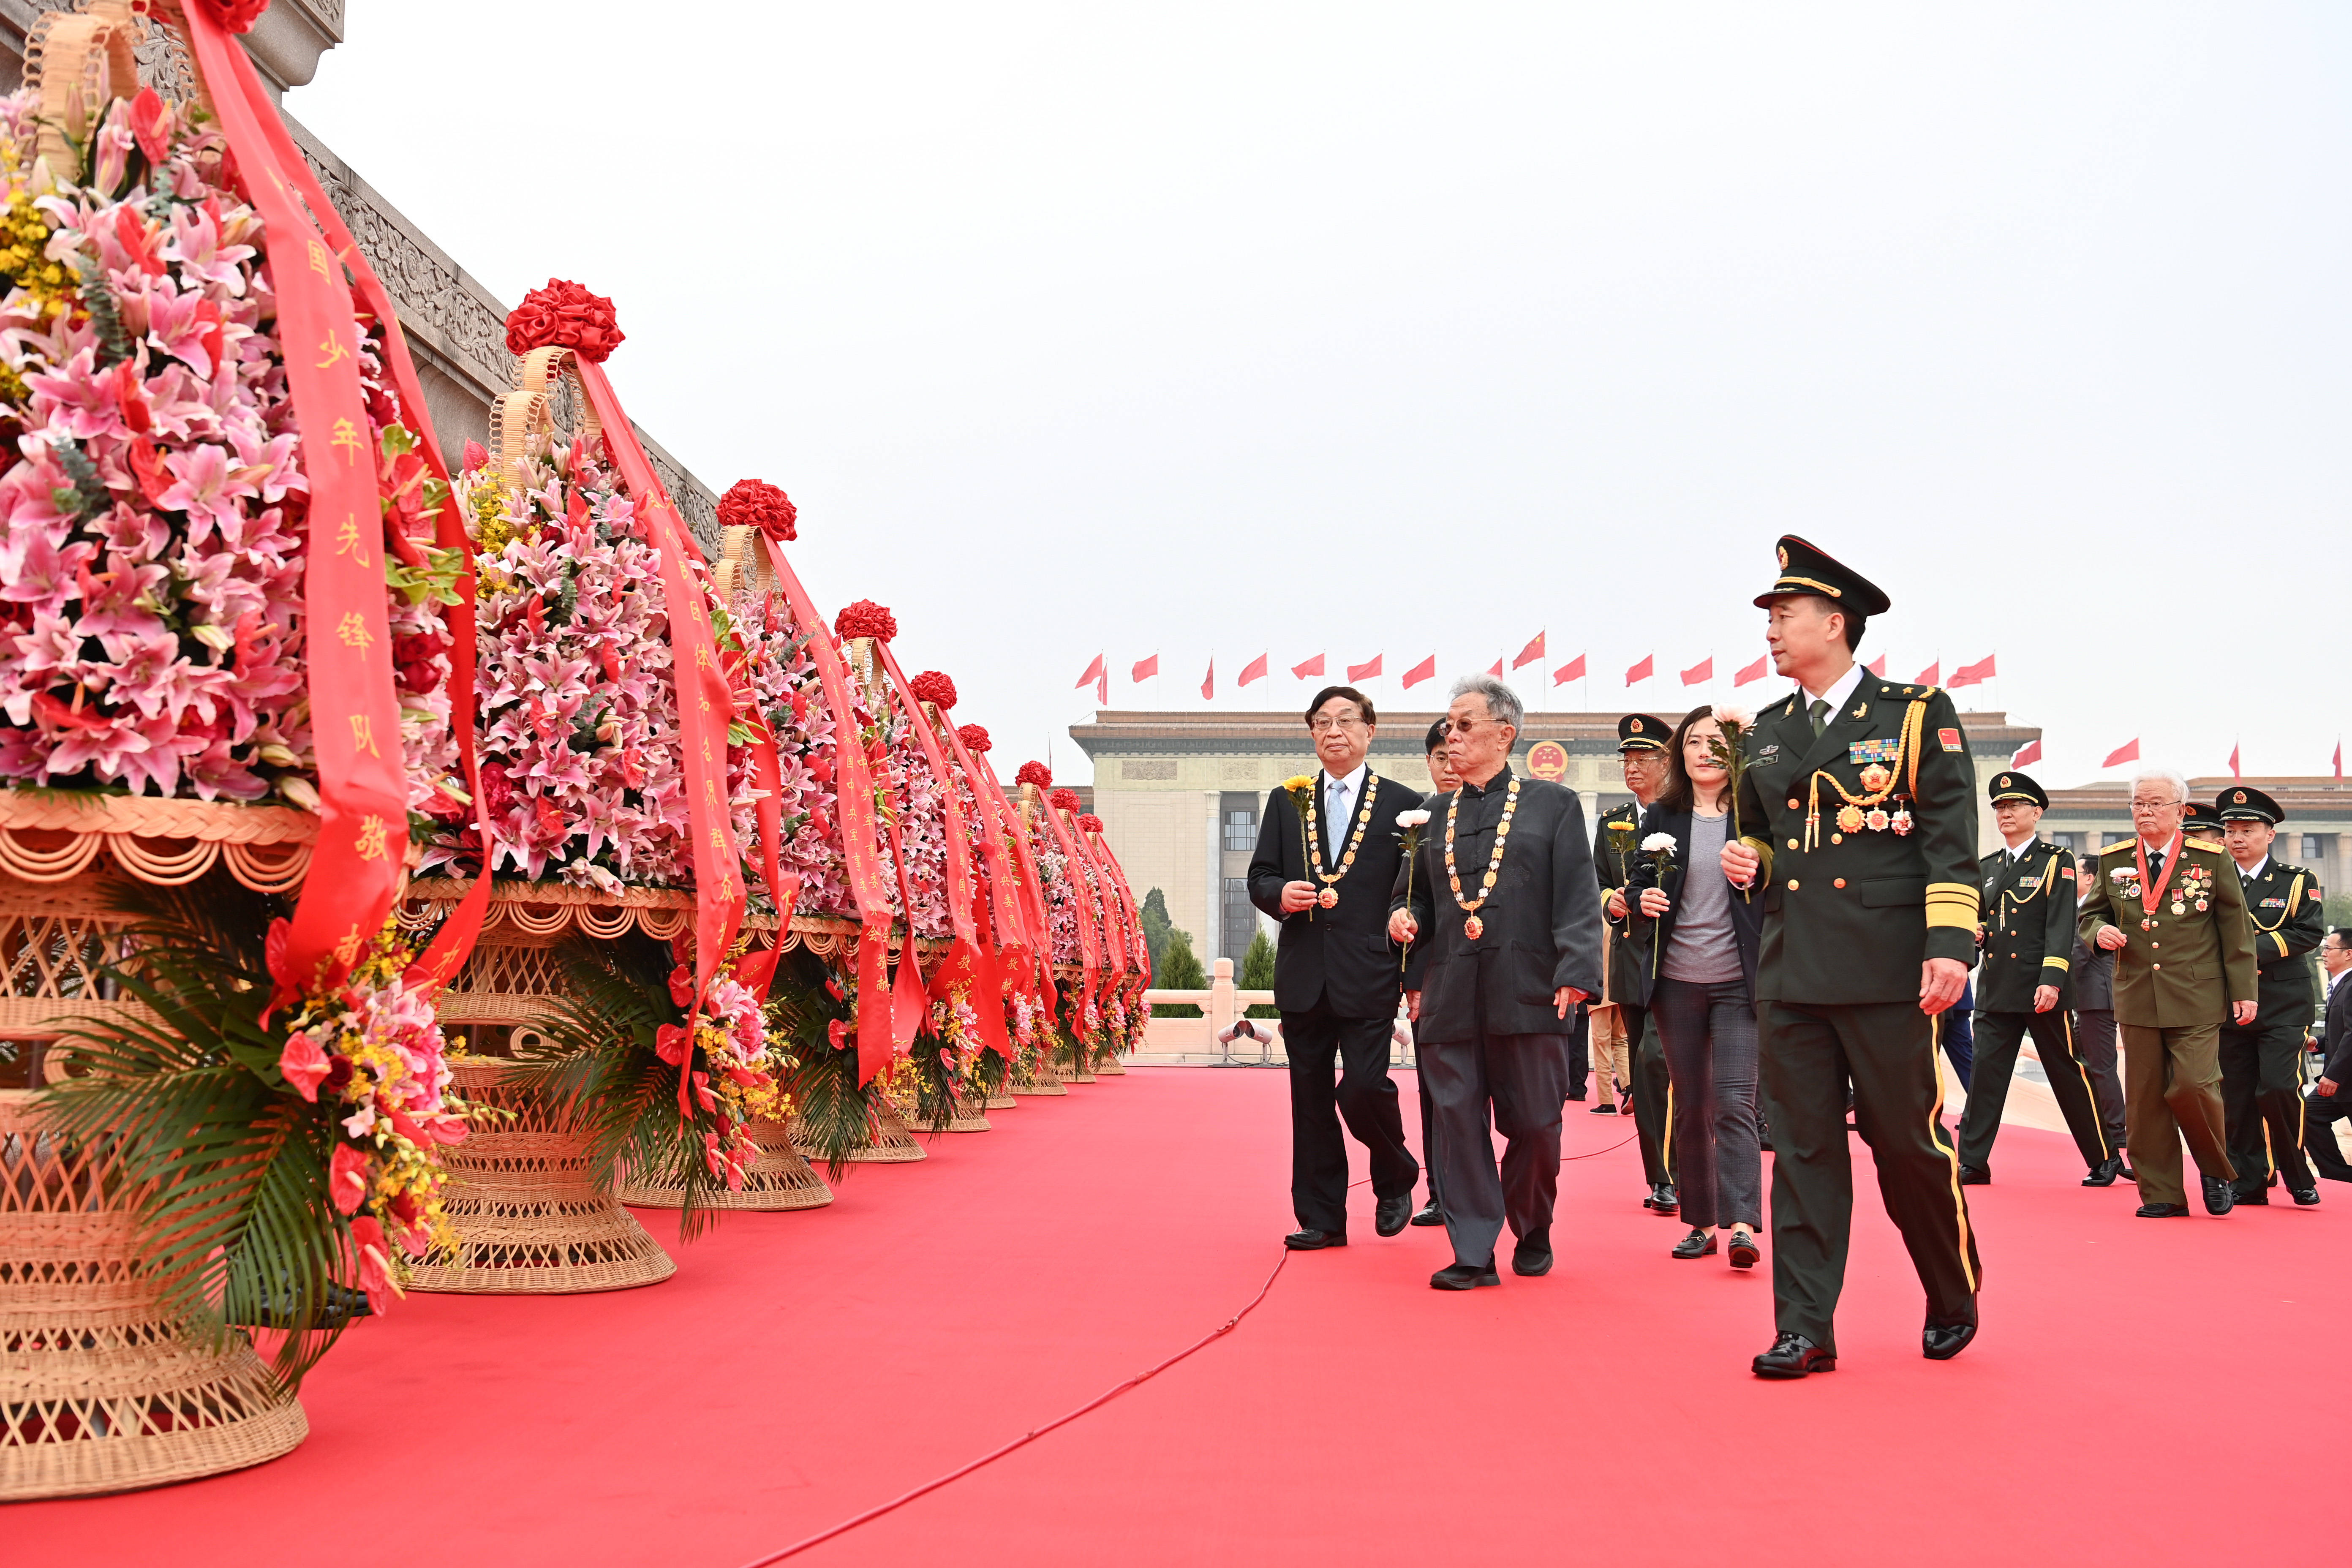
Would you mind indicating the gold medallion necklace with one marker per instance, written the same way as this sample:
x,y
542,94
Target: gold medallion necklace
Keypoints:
x,y
1473,928
1330,897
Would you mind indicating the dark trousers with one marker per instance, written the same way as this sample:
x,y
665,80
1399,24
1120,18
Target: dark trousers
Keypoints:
x,y
1998,1035
2094,1047
1959,1037
2321,1113
2261,1088
1523,1079
1580,1056
1429,1162
1808,1056
1710,1036
1653,1096
1365,1095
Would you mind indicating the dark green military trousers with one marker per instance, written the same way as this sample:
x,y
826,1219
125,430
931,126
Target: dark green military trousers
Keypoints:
x,y
1998,1037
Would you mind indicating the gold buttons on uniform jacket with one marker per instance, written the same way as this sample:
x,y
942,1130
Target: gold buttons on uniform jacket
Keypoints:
x,y
1839,883
1792,843
1792,884
1794,807
2156,966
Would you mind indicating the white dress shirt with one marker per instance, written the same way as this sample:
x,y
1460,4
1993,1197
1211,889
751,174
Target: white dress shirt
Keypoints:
x,y
1340,799
1839,690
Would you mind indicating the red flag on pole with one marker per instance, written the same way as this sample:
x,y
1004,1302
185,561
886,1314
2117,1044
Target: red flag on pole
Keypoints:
x,y
1877,667
1703,670
1094,673
1642,671
1209,681
1530,654
2233,763
1364,671
1253,670
1422,672
1928,676
1145,668
1572,670
2127,752
1972,674
1753,672
1498,671
1312,667
2026,755
2339,761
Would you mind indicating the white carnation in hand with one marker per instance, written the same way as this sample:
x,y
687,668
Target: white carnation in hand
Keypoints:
x,y
1658,841
1729,716
1412,819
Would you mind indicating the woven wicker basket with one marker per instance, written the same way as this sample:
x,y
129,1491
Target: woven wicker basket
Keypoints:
x,y
101,1391
1039,1080
970,1116
1003,1099
779,1178
528,1219
892,1143
1109,1068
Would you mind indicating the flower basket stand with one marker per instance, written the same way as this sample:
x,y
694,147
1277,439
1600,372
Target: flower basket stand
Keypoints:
x,y
1040,1081
970,1115
892,1144
779,1178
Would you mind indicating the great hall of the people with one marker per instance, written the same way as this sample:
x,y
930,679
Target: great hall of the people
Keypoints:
x,y
1180,795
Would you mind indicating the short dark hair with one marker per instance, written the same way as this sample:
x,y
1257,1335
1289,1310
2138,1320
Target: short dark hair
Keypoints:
x,y
1434,740
1363,703
1856,621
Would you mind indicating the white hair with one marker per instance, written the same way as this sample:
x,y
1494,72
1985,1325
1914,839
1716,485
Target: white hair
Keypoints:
x,y
1501,701
2172,777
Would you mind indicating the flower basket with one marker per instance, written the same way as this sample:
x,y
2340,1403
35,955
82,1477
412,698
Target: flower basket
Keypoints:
x,y
892,1143
527,1217
778,1177
101,1388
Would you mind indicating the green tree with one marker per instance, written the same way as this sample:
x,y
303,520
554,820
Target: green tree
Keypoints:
x,y
1180,969
1257,974
1156,929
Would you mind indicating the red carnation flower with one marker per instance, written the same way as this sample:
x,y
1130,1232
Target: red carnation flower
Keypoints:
x,y
476,457
1090,823
564,312
866,619
755,503
935,688
1064,800
974,739
239,16
1037,773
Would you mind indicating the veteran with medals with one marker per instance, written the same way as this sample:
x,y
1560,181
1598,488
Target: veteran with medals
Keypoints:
x,y
1504,898
1857,816
1326,853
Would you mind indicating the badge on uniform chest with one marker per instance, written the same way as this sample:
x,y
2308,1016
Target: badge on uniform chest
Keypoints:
x,y
1885,749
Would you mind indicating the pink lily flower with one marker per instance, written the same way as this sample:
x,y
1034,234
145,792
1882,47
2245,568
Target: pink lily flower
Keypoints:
x,y
207,488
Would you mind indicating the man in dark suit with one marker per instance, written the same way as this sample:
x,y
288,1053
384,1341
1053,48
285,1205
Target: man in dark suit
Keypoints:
x,y
1642,752
2025,985
1326,853
1857,808
1441,782
2262,1064
1503,893
2331,1097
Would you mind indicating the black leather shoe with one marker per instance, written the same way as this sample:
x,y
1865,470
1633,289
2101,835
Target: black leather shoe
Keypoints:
x,y
2259,1197
2129,1175
1429,1213
1975,1176
1531,1258
2104,1173
1743,1251
2305,1196
2220,1197
1942,1341
1314,1240
1463,1277
1389,1215
2161,1210
1792,1355
1663,1199
1603,1109
1697,1244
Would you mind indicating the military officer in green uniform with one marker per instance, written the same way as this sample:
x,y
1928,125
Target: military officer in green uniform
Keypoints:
x,y
1857,821
2261,1063
2023,984
2171,908
1642,751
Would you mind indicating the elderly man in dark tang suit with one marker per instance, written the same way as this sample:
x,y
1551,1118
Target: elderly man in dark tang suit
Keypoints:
x,y
1503,893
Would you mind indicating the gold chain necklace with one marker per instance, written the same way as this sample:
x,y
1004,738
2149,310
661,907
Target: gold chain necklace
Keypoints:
x,y
1473,928
1330,897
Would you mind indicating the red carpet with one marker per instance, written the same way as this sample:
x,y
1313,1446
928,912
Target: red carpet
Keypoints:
x,y
2143,1390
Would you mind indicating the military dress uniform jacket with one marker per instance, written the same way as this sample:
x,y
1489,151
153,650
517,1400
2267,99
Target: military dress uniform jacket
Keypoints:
x,y
2028,928
1542,925
2180,970
1867,836
1341,955
2284,906
1614,859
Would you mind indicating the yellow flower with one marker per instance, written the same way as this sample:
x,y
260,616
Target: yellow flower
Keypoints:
x,y
1298,782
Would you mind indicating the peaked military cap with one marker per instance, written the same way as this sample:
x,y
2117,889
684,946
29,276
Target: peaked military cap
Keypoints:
x,y
2244,802
2199,817
2016,786
1805,569
1640,733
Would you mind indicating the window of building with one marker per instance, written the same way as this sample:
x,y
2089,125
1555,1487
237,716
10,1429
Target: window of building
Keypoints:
x,y
2073,841
2317,847
1241,821
1240,921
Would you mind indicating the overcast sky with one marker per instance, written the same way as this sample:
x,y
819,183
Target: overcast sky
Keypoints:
x,y
1407,329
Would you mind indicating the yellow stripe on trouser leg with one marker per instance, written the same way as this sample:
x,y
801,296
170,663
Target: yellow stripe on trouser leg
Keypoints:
x,y
1951,1152
2066,1020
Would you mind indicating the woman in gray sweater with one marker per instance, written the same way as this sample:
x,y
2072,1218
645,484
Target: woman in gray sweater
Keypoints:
x,y
1697,937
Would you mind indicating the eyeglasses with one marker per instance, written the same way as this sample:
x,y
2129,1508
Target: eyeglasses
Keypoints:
x,y
1323,725
2150,807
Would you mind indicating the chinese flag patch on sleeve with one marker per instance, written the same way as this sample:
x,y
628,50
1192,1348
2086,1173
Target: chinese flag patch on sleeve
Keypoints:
x,y
1951,739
